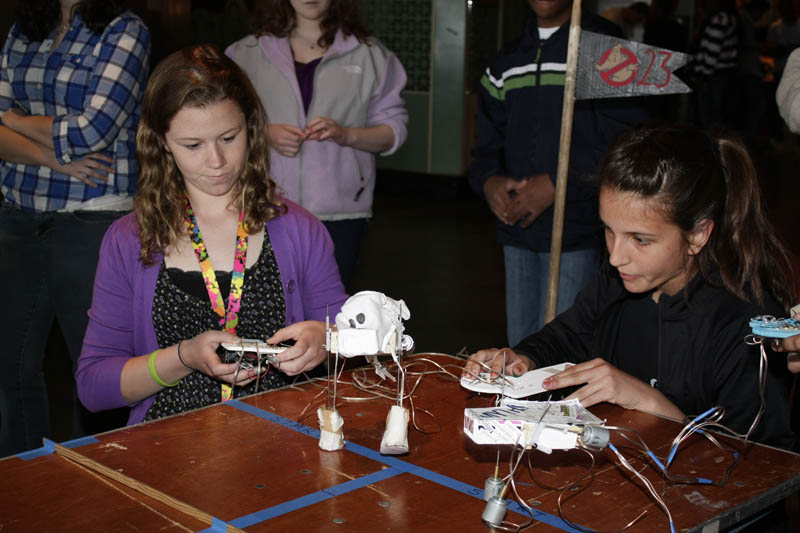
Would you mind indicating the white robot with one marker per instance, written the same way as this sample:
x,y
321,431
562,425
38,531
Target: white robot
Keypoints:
x,y
370,323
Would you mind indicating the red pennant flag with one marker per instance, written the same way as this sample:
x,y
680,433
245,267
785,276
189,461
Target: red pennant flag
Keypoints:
x,y
610,67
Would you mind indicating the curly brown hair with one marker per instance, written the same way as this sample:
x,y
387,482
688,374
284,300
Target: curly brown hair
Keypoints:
x,y
197,76
276,17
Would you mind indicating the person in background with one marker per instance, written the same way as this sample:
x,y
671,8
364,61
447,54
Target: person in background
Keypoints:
x,y
783,35
663,29
631,19
787,95
691,259
515,162
211,254
333,94
72,75
749,87
715,63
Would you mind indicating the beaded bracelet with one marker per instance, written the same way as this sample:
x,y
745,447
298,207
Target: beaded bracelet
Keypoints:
x,y
151,364
181,358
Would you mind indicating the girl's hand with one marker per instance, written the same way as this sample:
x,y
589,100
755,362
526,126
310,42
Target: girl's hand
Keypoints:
x,y
286,139
606,383
787,344
790,344
308,350
327,129
200,353
516,364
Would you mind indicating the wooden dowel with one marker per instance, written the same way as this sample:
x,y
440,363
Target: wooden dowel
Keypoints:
x,y
138,486
565,142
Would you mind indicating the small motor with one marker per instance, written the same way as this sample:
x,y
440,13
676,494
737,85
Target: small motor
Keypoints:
x,y
595,437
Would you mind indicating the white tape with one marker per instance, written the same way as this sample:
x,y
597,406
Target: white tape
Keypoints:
x,y
395,437
330,426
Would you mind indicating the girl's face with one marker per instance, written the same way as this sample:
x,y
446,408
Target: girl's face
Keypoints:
x,y
649,252
209,145
312,10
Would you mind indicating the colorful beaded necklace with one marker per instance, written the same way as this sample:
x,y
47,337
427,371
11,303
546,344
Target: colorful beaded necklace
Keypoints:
x,y
228,319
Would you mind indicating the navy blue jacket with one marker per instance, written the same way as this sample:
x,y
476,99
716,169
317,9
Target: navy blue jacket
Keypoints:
x,y
519,125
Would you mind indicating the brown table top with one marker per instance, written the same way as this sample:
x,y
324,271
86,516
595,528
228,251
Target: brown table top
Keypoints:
x,y
255,464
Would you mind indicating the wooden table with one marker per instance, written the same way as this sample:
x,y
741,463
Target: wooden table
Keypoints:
x,y
254,464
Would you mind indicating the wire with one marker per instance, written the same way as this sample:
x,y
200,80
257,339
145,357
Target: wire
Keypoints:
x,y
646,482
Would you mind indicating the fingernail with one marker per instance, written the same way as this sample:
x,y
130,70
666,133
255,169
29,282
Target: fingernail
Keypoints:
x,y
547,383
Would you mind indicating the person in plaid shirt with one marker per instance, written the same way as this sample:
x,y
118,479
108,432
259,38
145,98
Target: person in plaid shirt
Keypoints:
x,y
72,74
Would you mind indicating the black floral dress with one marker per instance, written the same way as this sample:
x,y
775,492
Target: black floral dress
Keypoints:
x,y
182,310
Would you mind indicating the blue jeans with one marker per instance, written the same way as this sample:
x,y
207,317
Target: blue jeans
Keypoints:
x,y
526,286
348,238
47,265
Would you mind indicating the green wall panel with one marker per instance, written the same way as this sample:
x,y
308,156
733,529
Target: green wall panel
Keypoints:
x,y
412,156
449,35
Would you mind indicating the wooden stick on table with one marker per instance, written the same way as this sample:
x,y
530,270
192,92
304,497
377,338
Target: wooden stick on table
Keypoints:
x,y
145,489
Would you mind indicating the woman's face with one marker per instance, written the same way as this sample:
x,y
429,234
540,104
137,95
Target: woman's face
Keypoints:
x,y
209,145
311,10
648,251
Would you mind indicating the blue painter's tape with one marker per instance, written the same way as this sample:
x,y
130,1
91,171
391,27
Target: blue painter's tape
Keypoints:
x,y
48,448
396,465
217,526
283,508
314,497
83,441
272,417
452,484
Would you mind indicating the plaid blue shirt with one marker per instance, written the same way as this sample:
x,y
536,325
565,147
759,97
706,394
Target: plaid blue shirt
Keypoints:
x,y
93,85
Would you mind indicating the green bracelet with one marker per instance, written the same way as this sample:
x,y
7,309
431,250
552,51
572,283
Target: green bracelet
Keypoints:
x,y
151,364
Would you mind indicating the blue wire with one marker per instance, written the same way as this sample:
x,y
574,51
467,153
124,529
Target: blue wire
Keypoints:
x,y
697,419
655,459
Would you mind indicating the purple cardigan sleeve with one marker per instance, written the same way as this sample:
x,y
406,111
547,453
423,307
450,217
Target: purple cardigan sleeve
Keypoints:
x,y
120,324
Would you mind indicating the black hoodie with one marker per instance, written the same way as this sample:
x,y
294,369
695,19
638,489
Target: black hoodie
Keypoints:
x,y
698,350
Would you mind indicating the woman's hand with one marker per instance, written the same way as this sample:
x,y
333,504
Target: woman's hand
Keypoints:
x,y
516,364
200,353
308,350
606,383
327,129
91,168
286,139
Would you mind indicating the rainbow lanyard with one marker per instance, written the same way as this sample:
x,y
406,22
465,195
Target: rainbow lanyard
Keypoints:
x,y
228,319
